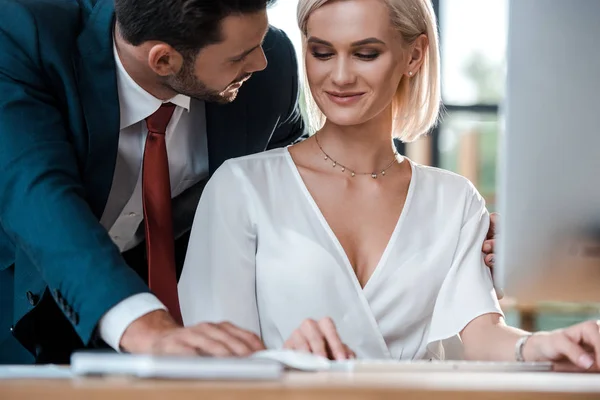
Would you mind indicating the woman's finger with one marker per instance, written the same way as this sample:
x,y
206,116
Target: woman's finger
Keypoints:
x,y
563,344
298,342
590,338
334,343
349,353
311,331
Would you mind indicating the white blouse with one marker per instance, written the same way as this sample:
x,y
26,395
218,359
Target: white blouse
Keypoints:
x,y
262,256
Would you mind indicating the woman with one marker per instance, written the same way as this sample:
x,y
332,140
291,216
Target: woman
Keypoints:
x,y
383,252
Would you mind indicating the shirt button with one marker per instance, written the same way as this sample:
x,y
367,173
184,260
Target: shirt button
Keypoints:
x,y
132,214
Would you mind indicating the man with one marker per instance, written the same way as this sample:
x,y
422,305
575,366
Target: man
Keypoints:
x,y
91,105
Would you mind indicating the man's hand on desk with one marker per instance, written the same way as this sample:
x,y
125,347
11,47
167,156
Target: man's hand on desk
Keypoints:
x,y
158,333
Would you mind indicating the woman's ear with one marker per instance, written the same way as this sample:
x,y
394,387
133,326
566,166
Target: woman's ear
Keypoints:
x,y
418,50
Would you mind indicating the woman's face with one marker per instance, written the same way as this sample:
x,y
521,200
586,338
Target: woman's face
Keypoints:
x,y
355,60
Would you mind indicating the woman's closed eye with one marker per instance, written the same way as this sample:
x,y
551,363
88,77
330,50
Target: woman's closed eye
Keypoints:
x,y
367,56
325,55
322,55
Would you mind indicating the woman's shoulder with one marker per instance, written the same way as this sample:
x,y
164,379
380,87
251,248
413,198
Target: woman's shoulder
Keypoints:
x,y
254,166
445,183
442,176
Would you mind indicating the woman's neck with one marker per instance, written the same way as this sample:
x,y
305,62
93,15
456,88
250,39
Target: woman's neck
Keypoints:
x,y
363,148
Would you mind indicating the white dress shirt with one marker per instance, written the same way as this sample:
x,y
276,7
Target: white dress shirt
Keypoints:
x,y
269,260
187,151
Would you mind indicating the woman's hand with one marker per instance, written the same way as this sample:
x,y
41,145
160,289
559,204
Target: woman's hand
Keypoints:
x,y
578,345
319,338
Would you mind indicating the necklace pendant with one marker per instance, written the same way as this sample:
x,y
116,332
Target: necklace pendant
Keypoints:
x,y
334,164
326,158
374,175
353,174
343,169
383,173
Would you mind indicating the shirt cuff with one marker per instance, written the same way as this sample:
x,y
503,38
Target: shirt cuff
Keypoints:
x,y
113,324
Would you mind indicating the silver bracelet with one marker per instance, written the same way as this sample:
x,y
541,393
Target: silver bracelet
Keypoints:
x,y
519,347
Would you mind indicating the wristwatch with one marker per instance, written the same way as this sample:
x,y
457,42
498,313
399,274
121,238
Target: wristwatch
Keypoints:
x,y
519,347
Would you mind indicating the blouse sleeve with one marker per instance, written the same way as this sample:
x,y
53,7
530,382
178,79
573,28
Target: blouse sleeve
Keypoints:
x,y
217,283
467,291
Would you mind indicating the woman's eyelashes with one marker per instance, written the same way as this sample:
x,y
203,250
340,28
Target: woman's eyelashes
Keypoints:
x,y
361,55
367,56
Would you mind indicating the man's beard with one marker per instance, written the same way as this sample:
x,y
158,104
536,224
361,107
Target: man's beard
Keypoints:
x,y
186,83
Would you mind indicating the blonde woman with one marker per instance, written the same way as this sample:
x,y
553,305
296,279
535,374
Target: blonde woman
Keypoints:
x,y
338,245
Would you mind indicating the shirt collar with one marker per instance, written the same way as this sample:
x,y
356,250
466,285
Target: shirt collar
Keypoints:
x,y
135,103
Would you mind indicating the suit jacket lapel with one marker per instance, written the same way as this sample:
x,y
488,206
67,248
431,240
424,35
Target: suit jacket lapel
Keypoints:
x,y
226,131
96,76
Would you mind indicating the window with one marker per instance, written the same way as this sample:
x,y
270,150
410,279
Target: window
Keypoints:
x,y
473,47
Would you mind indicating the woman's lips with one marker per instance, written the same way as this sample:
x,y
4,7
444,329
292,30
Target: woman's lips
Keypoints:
x,y
344,99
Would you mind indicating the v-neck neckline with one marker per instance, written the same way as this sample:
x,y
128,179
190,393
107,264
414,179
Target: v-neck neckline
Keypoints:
x,y
335,240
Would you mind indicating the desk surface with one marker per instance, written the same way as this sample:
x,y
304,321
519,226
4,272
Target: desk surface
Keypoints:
x,y
329,386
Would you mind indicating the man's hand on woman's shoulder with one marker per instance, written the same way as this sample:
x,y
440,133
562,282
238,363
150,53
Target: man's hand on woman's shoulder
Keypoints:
x,y
489,245
489,248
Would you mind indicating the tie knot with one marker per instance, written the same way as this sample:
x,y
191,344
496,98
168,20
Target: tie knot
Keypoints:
x,y
157,122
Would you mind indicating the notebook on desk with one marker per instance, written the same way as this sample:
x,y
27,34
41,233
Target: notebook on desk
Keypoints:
x,y
268,365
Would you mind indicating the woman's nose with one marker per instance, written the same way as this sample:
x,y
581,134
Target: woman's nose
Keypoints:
x,y
343,74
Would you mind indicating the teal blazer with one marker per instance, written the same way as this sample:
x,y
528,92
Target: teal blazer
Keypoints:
x,y
59,127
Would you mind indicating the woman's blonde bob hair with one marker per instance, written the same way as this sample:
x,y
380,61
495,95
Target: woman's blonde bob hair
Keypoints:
x,y
416,104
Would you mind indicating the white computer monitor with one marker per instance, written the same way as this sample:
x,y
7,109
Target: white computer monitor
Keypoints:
x,y
549,172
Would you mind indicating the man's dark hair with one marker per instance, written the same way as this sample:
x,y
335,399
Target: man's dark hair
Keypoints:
x,y
186,25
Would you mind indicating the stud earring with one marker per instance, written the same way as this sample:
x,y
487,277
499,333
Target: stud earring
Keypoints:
x,y
410,73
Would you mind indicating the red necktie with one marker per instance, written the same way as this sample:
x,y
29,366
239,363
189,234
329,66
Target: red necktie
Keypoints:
x,y
156,199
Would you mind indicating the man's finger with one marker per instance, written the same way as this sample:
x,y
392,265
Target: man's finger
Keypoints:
x,y
333,339
203,345
489,246
493,230
174,347
249,338
235,346
490,260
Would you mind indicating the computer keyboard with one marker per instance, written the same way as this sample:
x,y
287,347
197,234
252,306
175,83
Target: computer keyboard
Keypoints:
x,y
438,366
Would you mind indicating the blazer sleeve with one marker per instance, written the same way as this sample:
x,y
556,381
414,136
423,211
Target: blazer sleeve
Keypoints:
x,y
43,209
218,281
291,127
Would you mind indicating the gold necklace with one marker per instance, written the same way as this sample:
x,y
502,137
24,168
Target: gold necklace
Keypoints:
x,y
353,173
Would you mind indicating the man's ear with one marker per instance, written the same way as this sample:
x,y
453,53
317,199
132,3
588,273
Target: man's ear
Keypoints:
x,y
164,60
